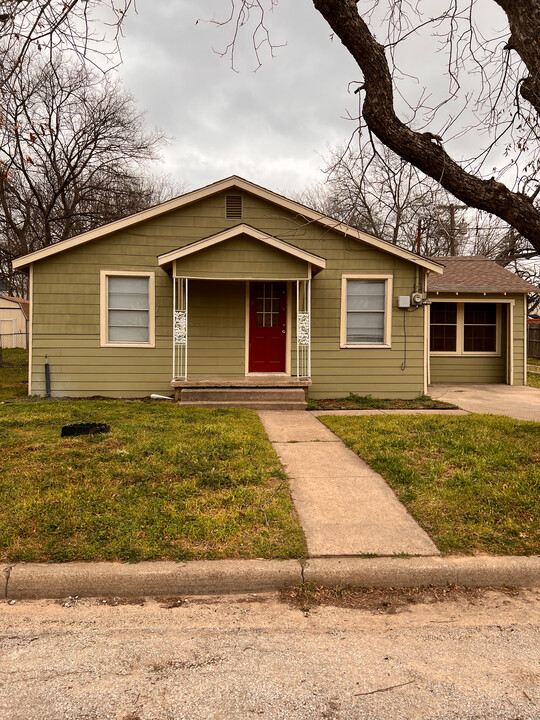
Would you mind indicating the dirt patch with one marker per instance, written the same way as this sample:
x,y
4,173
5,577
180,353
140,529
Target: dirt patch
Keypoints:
x,y
381,600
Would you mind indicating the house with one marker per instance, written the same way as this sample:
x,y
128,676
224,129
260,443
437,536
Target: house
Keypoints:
x,y
233,288
14,316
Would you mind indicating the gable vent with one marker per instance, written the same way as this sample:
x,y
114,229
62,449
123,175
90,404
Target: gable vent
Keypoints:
x,y
233,206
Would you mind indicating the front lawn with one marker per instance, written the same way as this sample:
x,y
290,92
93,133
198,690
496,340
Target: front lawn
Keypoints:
x,y
472,482
533,379
165,483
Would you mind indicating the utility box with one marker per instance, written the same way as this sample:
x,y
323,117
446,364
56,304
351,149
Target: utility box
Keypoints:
x,y
404,301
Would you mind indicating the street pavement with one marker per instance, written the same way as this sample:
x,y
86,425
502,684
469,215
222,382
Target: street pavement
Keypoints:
x,y
243,657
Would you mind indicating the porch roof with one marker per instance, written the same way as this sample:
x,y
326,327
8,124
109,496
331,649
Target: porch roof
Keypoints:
x,y
238,231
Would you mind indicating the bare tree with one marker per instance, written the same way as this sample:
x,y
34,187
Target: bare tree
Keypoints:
x,y
74,154
495,75
88,28
490,78
378,192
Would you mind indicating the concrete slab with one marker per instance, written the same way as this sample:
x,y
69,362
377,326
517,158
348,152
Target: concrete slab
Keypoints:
x,y
522,403
344,506
295,427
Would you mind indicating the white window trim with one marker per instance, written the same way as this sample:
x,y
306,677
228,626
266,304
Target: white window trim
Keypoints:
x,y
460,330
387,344
104,309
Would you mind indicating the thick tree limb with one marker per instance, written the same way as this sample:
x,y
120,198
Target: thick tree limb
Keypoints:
x,y
421,149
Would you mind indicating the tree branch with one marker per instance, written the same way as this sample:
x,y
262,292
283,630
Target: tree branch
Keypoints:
x,y
419,148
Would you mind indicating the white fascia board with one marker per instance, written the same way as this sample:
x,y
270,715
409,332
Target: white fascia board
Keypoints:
x,y
235,231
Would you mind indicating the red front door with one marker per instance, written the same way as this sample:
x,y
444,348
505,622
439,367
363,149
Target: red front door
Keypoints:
x,y
267,326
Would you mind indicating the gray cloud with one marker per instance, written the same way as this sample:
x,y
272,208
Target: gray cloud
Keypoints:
x,y
270,126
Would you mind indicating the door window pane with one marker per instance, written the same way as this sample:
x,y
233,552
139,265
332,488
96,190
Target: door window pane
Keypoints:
x,y
267,298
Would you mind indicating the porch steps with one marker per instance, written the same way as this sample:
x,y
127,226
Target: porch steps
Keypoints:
x,y
254,398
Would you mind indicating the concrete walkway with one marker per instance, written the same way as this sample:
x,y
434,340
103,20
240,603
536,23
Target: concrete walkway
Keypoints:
x,y
345,507
515,401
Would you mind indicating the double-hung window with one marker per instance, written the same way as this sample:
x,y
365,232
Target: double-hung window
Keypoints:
x,y
127,309
366,302
463,328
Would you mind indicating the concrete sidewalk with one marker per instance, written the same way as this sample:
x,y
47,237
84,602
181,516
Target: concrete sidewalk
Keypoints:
x,y
344,506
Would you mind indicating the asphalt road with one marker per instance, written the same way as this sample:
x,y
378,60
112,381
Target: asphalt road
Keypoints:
x,y
253,656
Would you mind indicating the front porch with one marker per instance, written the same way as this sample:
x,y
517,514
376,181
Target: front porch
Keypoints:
x,y
258,392
242,321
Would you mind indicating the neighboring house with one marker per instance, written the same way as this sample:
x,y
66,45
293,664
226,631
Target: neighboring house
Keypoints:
x,y
236,286
14,316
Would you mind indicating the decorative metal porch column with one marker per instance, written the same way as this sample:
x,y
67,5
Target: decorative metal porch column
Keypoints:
x,y
303,328
180,326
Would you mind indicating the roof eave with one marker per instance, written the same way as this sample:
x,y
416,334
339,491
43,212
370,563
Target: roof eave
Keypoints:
x,y
221,185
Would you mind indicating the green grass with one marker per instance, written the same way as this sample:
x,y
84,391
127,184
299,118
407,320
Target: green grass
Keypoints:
x,y
13,374
165,483
533,379
472,482
533,361
366,402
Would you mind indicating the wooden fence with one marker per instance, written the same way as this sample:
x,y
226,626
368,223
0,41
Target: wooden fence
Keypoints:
x,y
534,340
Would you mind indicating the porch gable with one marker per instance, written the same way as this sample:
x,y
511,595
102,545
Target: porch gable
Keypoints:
x,y
242,252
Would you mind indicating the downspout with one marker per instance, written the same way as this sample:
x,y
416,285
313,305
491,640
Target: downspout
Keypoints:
x,y
47,378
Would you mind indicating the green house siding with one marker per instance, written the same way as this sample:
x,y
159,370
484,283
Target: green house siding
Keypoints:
x,y
66,302
216,328
242,257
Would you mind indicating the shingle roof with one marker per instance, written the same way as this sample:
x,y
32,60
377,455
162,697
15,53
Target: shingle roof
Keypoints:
x,y
476,274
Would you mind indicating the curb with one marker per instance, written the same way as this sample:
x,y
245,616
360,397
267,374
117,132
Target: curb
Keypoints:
x,y
29,581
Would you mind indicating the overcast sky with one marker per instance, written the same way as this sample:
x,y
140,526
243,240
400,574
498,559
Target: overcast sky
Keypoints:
x,y
271,126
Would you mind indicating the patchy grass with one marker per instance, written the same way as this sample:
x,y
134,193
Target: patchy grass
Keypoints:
x,y
533,361
472,482
13,374
165,483
366,402
533,379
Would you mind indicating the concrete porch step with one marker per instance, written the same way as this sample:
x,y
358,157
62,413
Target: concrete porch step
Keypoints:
x,y
268,398
233,394
249,405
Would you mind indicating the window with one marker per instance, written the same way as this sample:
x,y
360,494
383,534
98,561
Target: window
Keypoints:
x,y
480,327
443,330
365,311
460,328
127,309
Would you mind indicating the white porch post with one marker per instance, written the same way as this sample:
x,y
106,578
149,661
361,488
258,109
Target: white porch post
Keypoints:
x,y
180,327
303,328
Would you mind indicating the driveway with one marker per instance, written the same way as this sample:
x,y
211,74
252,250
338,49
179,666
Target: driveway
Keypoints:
x,y
522,403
